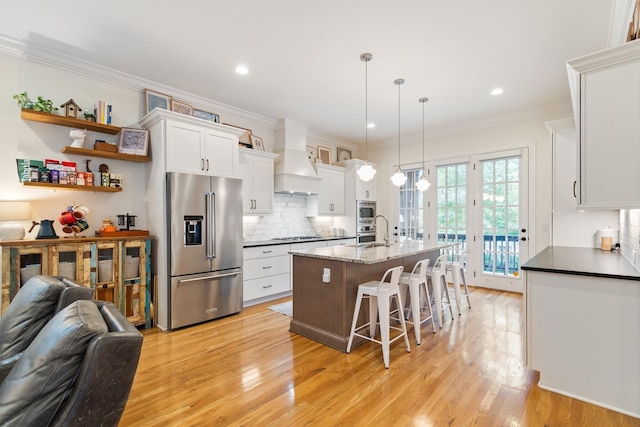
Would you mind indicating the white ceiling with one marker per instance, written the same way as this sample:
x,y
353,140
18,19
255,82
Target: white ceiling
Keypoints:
x,y
304,56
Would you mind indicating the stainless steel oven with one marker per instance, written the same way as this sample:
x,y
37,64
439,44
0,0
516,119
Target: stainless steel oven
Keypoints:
x,y
365,226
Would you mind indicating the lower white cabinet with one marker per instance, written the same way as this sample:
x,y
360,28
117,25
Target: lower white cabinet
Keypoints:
x,y
266,272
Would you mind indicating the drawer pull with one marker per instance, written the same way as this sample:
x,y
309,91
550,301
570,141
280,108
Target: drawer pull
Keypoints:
x,y
266,286
266,267
266,252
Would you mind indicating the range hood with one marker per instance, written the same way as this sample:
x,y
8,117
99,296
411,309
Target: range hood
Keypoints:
x,y
293,170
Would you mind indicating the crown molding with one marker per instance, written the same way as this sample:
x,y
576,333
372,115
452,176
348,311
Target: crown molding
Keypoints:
x,y
560,109
55,59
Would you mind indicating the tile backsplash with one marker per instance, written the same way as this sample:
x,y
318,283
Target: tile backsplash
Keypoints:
x,y
288,219
629,223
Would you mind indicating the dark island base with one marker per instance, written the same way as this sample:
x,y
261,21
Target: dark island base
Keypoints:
x,y
323,311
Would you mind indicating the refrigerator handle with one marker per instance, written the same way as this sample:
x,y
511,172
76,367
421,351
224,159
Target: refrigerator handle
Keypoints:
x,y
210,199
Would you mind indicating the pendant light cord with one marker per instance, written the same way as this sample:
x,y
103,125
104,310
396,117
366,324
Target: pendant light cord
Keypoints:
x,y
366,111
399,82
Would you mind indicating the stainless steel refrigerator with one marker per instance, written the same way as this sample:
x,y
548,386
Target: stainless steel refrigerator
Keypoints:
x,y
204,217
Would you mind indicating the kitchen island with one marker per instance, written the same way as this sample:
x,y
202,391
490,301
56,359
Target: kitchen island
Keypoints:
x,y
583,325
325,284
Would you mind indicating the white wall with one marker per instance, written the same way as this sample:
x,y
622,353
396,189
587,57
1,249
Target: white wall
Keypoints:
x,y
32,140
530,131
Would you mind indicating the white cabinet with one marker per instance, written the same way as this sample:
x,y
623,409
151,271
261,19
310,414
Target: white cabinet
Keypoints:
x,y
569,226
194,145
256,171
606,101
330,198
265,273
355,188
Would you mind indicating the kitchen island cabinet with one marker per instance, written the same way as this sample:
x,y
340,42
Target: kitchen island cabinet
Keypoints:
x,y
323,310
583,325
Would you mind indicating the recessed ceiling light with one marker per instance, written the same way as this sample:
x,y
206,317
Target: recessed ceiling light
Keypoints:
x,y
241,69
497,91
371,125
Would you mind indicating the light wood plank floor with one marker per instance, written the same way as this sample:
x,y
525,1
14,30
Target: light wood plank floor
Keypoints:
x,y
249,370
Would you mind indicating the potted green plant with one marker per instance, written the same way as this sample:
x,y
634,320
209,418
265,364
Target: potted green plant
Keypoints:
x,y
90,117
43,105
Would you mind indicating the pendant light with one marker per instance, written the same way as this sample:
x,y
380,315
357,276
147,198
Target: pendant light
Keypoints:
x,y
398,179
366,171
423,184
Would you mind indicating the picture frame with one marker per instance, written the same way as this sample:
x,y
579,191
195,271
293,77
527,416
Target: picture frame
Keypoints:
x,y
342,154
205,115
257,143
155,99
134,141
312,153
324,154
245,138
181,107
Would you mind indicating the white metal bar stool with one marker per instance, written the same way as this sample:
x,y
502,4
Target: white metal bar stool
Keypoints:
x,y
380,294
414,281
438,277
456,267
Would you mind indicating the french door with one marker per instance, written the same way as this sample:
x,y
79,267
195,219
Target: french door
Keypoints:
x,y
480,202
501,242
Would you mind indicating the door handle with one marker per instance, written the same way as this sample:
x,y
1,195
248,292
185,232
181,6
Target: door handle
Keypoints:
x,y
216,276
574,188
202,164
207,164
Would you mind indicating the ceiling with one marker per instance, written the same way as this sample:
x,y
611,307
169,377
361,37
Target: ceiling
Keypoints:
x,y
304,56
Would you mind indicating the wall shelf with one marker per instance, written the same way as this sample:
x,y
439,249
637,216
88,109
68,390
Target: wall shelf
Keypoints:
x,y
55,119
73,187
105,154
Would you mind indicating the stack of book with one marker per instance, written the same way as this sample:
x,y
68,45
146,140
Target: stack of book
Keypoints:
x,y
102,112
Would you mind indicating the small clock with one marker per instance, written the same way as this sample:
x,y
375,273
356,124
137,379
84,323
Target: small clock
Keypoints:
x,y
343,154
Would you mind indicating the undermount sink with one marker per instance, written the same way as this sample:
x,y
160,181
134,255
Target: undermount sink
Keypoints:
x,y
367,245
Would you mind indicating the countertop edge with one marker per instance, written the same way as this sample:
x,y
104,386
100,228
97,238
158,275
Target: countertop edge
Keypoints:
x,y
582,262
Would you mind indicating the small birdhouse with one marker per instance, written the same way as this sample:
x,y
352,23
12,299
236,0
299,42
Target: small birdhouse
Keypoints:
x,y
71,109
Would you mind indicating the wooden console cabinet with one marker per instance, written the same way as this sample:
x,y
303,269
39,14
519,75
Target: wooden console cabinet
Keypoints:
x,y
117,269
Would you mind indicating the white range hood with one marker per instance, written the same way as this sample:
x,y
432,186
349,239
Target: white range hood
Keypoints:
x,y
293,170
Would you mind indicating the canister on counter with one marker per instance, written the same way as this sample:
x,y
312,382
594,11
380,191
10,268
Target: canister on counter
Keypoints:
x,y
80,178
88,179
105,179
63,177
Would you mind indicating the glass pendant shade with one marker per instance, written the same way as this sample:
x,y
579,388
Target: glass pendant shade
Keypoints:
x,y
423,184
366,172
398,179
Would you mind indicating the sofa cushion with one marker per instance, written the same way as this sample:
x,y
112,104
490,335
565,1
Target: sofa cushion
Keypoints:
x,y
43,377
30,310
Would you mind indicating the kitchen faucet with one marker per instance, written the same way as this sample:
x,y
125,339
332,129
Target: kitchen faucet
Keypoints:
x,y
386,235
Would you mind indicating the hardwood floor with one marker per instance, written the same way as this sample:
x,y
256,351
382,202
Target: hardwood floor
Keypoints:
x,y
249,370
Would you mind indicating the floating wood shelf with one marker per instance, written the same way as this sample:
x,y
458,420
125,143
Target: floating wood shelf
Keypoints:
x,y
72,187
105,154
54,119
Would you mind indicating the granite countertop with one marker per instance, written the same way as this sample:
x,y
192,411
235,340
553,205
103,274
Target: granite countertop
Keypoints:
x,y
369,255
584,262
286,242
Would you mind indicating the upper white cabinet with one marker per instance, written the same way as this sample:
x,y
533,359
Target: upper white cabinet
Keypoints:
x,y
330,198
570,226
256,171
606,100
355,188
194,145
